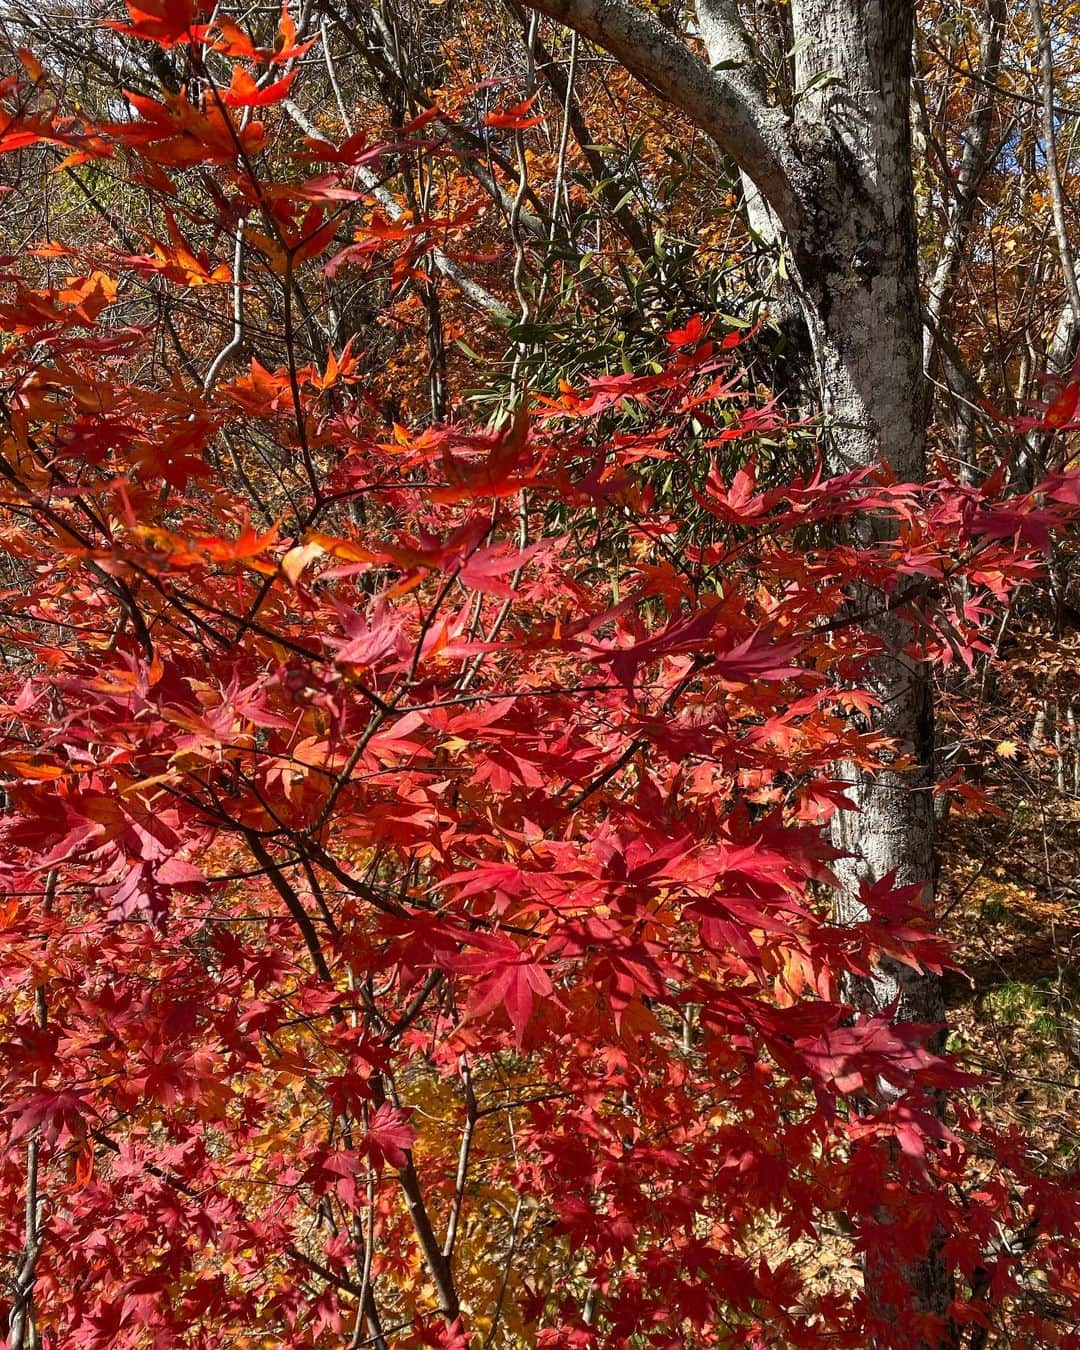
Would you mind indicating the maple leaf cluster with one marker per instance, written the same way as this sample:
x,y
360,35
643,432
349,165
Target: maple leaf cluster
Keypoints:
x,y
416,908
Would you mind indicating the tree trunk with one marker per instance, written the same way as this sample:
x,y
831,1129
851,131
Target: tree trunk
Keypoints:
x,y
854,268
856,272
836,177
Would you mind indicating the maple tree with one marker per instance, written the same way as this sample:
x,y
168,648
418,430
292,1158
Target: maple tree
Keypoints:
x,y
415,842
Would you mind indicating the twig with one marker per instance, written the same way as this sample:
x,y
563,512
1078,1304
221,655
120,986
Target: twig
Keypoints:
x,y
463,1160
1053,173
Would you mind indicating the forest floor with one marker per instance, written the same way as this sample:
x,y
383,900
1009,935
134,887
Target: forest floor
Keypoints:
x,y
1009,890
1009,906
1009,902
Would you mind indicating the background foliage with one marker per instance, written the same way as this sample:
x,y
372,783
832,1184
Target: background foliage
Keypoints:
x,y
428,641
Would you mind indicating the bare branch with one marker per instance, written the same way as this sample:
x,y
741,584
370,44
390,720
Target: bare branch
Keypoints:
x,y
474,293
1053,174
725,103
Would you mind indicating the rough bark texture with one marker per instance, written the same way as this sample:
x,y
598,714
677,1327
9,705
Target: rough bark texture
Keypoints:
x,y
857,274
857,270
855,248
836,178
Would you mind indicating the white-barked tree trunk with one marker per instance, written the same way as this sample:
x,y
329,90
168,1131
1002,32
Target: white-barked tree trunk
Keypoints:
x,y
836,178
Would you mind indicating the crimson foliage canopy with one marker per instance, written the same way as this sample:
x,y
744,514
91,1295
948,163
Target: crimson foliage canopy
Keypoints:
x,y
416,907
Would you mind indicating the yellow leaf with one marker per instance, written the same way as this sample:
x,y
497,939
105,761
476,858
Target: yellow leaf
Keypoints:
x,y
298,558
